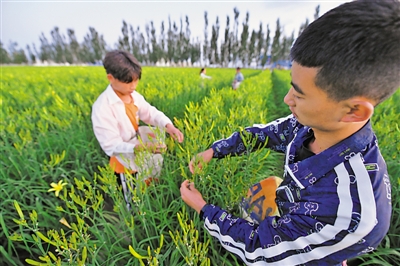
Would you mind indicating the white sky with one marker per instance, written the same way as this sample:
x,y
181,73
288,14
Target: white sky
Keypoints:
x,y
24,21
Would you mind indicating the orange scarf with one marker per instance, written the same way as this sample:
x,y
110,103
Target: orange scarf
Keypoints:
x,y
131,111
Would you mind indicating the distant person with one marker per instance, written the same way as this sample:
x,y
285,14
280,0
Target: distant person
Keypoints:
x,y
237,79
203,74
115,117
334,202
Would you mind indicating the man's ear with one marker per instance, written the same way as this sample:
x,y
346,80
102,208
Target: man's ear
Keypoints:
x,y
110,77
359,110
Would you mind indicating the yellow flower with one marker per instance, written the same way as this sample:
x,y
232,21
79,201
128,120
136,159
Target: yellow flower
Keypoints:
x,y
57,187
64,222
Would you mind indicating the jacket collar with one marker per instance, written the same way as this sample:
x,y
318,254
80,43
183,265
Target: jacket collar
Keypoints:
x,y
308,171
111,95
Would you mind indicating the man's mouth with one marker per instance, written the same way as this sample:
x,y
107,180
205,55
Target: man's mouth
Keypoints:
x,y
291,110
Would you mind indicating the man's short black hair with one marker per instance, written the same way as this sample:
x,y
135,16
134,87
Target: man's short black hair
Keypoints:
x,y
122,66
356,47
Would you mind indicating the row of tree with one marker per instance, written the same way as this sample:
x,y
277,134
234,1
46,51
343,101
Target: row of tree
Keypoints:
x,y
173,44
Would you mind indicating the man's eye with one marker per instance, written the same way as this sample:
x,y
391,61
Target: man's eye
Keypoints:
x,y
295,96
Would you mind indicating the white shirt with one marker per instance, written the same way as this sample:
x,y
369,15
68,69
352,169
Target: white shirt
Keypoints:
x,y
113,129
204,76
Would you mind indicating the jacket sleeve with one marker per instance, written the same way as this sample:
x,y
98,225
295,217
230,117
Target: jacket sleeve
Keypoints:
x,y
252,242
150,114
275,241
275,135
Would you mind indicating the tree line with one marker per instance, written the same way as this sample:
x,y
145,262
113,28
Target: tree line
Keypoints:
x,y
173,44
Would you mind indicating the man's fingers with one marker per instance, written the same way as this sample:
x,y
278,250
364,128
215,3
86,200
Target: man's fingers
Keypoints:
x,y
180,137
193,165
177,135
190,186
185,183
191,169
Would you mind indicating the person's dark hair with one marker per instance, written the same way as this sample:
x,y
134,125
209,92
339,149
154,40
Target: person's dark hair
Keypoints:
x,y
201,71
122,66
356,47
238,68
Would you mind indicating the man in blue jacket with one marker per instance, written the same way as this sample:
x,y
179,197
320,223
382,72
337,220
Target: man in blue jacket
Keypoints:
x,y
335,198
238,79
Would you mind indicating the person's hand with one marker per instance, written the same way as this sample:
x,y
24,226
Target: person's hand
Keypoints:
x,y
151,136
175,133
202,157
152,147
191,196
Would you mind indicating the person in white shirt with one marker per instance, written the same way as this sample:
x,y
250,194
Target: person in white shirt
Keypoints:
x,y
115,117
203,74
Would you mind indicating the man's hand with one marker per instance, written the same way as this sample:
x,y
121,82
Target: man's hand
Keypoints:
x,y
202,157
191,196
175,133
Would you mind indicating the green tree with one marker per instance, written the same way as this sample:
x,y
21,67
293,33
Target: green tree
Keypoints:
x,y
4,55
58,46
175,34
135,42
225,46
94,47
244,55
206,51
46,51
156,52
214,53
180,42
303,26
31,55
266,47
142,44
234,37
171,42
148,43
123,42
285,47
18,56
260,44
316,14
74,47
252,47
162,37
195,51
276,44
186,46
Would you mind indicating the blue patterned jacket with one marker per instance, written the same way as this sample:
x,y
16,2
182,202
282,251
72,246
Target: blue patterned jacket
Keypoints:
x,y
333,206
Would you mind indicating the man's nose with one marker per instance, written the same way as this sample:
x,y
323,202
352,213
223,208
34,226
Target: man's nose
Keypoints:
x,y
289,98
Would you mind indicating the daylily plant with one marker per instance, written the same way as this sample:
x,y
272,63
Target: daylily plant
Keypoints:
x,y
57,187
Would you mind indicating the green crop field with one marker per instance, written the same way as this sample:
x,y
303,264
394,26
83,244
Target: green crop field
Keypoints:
x,y
47,137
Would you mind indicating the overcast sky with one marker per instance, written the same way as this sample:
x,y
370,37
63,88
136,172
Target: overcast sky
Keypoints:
x,y
24,21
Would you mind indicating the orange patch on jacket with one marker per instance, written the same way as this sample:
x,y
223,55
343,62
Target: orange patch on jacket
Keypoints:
x,y
260,200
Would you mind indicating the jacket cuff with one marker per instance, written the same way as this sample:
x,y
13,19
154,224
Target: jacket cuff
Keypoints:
x,y
201,214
